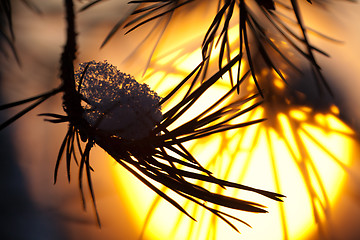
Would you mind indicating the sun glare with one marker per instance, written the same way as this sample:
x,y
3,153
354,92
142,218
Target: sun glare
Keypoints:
x,y
297,152
305,166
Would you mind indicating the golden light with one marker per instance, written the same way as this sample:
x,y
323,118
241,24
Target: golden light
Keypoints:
x,y
298,152
306,166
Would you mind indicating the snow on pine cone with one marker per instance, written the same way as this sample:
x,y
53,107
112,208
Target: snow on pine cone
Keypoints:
x,y
115,102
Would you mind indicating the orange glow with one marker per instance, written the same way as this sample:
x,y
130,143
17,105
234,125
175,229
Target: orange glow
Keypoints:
x,y
298,114
334,109
297,152
279,83
302,166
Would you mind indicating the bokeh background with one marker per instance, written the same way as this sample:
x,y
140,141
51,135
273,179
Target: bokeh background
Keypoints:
x,y
33,208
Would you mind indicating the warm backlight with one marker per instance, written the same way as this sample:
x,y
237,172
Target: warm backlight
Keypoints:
x,y
304,163
296,152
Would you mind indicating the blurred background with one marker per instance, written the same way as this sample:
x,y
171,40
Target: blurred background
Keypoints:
x,y
32,207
